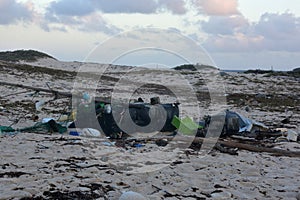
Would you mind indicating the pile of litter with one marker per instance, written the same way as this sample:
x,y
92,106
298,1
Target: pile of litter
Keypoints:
x,y
96,118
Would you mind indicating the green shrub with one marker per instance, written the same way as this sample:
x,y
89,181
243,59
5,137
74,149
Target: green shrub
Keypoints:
x,y
25,55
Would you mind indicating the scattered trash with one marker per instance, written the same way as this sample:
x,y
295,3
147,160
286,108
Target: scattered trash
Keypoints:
x,y
109,144
283,130
132,196
6,130
292,136
86,132
89,132
286,120
63,118
47,127
46,120
186,125
236,123
155,100
74,133
39,104
86,117
86,96
107,109
138,145
161,142
281,139
34,118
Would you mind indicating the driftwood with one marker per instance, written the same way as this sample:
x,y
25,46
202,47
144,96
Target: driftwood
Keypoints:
x,y
14,94
227,143
56,93
253,148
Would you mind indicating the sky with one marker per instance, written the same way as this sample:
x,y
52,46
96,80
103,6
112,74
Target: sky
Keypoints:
x,y
231,34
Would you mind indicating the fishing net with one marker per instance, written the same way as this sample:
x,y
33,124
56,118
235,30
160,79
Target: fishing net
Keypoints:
x,y
49,127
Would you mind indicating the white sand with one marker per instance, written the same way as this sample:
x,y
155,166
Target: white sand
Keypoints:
x,y
66,164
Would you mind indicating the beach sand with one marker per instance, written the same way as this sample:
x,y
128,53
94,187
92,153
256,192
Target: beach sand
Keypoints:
x,y
34,166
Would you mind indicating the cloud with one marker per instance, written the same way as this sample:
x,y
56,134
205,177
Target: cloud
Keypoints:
x,y
278,26
127,6
175,6
87,15
96,23
225,25
86,7
217,7
233,43
273,32
71,7
12,11
89,23
280,31
82,15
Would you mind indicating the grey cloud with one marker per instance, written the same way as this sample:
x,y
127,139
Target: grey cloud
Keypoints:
x,y
79,15
175,6
95,23
273,32
280,32
71,7
275,26
284,29
225,25
85,15
89,23
85,7
233,43
126,6
147,7
12,11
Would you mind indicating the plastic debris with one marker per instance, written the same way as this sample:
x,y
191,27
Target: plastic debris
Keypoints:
x,y
39,104
109,144
186,125
74,133
48,127
6,129
132,196
139,113
138,145
90,132
63,118
292,136
86,96
236,122
46,120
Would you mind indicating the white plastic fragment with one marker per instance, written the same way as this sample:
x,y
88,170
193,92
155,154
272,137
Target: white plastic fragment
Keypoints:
x,y
132,196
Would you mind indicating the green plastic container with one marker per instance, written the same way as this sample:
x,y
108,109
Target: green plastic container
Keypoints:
x,y
186,126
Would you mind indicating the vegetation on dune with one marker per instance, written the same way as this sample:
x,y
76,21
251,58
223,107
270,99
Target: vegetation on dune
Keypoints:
x,y
24,55
258,71
296,70
269,73
6,67
192,67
